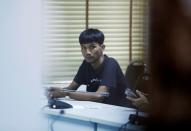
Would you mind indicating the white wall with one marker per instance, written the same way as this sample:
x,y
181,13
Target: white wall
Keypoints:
x,y
20,66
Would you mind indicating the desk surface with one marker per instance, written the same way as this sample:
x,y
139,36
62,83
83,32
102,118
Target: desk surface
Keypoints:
x,y
94,112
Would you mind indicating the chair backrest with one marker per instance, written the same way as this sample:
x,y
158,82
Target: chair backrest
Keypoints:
x,y
137,75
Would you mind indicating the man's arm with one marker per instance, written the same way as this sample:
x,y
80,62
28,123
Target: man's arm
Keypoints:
x,y
98,96
73,86
56,92
90,96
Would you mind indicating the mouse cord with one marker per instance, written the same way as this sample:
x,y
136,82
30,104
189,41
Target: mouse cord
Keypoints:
x,y
51,125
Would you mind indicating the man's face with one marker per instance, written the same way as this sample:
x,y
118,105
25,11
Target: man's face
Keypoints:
x,y
92,52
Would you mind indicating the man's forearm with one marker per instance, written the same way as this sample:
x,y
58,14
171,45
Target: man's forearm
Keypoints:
x,y
73,86
86,96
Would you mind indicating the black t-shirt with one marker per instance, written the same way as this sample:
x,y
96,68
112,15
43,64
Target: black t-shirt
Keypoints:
x,y
107,74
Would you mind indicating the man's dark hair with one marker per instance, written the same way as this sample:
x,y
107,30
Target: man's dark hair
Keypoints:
x,y
91,35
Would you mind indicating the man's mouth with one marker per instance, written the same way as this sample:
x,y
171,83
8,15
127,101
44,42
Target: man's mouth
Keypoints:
x,y
89,58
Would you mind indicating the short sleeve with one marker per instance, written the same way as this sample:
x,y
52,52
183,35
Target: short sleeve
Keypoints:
x,y
113,76
109,77
79,77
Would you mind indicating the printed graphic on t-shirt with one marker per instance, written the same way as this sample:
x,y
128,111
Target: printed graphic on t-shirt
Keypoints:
x,y
93,84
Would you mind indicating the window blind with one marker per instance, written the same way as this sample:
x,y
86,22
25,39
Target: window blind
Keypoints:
x,y
65,19
112,17
63,22
139,29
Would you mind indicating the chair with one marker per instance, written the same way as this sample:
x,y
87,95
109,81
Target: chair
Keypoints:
x,y
137,76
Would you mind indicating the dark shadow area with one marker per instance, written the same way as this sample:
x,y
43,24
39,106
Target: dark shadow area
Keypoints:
x,y
170,62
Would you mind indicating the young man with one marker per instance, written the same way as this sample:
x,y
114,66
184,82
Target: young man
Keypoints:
x,y
100,73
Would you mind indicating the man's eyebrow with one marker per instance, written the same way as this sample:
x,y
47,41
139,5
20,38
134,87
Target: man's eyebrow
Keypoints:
x,y
94,43
90,44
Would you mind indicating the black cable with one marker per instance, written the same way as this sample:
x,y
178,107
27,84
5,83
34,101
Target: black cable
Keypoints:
x,y
55,119
124,126
51,125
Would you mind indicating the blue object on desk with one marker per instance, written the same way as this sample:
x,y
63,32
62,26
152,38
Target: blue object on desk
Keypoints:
x,y
56,104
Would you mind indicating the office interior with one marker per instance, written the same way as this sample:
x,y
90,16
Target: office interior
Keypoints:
x,y
166,51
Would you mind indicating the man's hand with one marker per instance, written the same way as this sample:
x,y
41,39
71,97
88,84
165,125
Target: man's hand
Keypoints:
x,y
141,102
55,92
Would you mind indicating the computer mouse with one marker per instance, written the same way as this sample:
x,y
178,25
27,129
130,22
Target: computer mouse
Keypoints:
x,y
56,104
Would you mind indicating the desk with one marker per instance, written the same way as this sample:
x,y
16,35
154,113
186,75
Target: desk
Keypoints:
x,y
89,116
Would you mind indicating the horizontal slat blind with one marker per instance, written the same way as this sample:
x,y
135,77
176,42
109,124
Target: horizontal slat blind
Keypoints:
x,y
63,22
139,29
65,19
112,17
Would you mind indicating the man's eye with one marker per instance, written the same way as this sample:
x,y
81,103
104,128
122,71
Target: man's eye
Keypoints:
x,y
83,48
92,47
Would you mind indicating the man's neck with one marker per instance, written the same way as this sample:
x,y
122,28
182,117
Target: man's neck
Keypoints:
x,y
98,63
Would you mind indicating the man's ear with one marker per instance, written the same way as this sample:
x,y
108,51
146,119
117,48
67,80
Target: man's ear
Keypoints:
x,y
103,46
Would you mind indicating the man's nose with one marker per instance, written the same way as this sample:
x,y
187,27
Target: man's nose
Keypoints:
x,y
88,51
